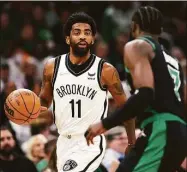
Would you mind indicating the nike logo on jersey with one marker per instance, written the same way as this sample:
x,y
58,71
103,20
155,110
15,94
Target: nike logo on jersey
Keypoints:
x,y
76,89
91,76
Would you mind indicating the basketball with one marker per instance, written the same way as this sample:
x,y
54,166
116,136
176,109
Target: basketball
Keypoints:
x,y
22,106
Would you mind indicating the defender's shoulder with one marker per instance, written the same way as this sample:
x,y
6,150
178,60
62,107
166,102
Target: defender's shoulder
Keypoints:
x,y
137,44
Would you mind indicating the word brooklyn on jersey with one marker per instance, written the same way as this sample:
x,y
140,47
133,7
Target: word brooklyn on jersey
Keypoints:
x,y
76,89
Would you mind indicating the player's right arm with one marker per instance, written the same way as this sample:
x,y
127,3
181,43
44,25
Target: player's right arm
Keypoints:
x,y
46,93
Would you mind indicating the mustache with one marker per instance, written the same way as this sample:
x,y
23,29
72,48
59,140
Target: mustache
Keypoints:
x,y
80,42
7,146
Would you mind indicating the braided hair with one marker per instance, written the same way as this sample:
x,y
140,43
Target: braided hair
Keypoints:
x,y
149,19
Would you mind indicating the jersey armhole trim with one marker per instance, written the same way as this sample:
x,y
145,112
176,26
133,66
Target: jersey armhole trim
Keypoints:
x,y
53,110
100,67
56,66
148,41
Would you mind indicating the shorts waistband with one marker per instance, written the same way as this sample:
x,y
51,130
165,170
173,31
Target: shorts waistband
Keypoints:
x,y
71,135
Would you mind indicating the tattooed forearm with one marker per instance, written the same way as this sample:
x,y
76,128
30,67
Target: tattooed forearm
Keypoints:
x,y
46,76
117,87
46,89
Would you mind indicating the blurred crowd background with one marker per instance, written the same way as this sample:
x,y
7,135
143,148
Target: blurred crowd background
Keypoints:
x,y
32,32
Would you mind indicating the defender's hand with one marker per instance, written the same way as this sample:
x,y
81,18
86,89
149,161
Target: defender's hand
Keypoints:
x,y
94,130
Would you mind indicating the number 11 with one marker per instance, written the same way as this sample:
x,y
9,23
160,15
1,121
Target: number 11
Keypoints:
x,y
73,108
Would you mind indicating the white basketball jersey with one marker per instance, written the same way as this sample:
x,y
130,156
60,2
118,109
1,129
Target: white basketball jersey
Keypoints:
x,y
79,99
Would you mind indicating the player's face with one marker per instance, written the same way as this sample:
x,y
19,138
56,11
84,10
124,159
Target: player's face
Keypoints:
x,y
81,39
7,143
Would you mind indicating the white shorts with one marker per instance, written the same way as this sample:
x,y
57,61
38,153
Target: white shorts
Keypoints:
x,y
74,155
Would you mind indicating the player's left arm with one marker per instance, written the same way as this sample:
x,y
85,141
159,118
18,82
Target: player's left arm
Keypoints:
x,y
110,79
138,55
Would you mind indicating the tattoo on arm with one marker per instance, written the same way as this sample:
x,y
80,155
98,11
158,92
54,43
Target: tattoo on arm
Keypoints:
x,y
117,83
43,97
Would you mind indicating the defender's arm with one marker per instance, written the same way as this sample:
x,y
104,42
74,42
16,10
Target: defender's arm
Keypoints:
x,y
110,79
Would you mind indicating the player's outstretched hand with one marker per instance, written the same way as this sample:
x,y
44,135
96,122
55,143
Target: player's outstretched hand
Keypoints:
x,y
94,130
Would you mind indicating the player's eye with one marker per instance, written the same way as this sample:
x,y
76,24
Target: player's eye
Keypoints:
x,y
88,33
76,32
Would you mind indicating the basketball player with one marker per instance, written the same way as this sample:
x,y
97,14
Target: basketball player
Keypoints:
x,y
77,83
157,81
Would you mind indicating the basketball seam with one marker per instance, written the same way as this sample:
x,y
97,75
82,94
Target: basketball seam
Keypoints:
x,y
16,109
30,114
33,104
36,112
19,120
18,112
16,118
24,103
33,108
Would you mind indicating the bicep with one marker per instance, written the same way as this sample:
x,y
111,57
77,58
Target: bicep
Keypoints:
x,y
137,59
142,74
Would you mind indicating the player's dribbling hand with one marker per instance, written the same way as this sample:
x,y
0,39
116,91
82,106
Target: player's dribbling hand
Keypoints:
x,y
94,130
43,109
41,117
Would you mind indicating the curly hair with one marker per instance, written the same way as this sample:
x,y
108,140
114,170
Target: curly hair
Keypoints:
x,y
79,17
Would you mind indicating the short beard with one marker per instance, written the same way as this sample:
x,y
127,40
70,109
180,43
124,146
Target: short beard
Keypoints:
x,y
80,52
6,153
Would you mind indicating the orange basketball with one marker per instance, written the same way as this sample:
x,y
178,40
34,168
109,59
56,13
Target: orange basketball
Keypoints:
x,y
22,106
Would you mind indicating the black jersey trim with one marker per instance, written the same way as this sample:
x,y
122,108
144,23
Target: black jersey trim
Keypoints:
x,y
100,67
101,151
105,105
54,117
56,66
84,70
148,41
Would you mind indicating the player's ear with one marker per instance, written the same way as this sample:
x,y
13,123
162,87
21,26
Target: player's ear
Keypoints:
x,y
68,40
93,40
133,26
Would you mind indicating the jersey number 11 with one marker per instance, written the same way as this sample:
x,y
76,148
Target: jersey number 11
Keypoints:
x,y
72,102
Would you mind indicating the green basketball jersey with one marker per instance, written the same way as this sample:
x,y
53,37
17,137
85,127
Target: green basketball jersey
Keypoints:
x,y
168,79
